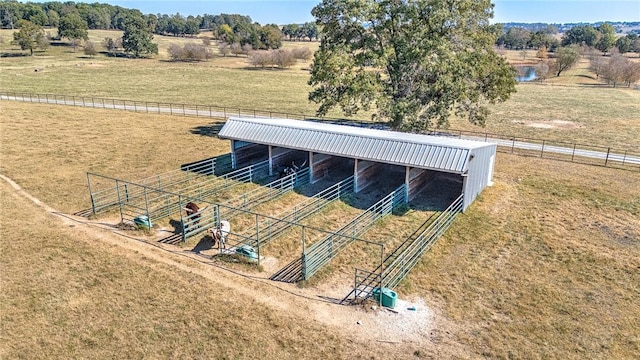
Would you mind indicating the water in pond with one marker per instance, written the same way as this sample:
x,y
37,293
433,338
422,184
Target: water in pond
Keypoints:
x,y
525,73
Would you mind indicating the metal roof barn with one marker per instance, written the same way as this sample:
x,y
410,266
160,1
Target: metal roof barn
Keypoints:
x,y
473,160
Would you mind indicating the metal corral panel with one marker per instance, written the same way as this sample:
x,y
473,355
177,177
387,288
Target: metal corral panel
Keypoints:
x,y
405,149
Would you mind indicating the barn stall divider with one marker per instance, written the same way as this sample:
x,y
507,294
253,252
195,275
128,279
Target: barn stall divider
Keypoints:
x,y
404,258
241,204
322,252
103,190
270,228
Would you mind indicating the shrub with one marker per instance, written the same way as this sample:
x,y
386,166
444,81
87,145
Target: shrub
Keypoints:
x,y
189,52
90,48
283,58
261,58
302,53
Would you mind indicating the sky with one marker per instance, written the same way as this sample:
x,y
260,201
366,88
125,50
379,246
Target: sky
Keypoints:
x,y
288,11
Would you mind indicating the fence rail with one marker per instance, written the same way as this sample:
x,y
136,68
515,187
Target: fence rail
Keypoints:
x,y
323,251
607,156
404,258
103,189
270,228
244,203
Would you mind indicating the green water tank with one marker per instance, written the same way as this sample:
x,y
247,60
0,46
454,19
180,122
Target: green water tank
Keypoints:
x,y
142,222
389,297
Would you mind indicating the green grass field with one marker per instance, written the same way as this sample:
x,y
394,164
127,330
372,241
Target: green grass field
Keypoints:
x,y
543,265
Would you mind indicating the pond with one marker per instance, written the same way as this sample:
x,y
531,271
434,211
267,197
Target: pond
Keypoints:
x,y
525,73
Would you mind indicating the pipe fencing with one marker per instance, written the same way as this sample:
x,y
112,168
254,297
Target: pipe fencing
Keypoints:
x,y
405,257
587,154
104,195
211,216
322,252
270,228
166,198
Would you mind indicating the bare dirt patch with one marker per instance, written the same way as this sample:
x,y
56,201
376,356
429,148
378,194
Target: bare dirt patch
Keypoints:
x,y
549,124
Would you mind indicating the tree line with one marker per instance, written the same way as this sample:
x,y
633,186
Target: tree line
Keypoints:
x,y
228,27
602,37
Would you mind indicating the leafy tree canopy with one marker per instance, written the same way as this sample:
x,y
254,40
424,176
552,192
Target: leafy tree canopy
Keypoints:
x,y
581,35
30,36
137,37
607,37
416,62
566,58
73,27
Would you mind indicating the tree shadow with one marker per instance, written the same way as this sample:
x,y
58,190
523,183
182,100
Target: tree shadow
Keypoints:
x,y
13,55
211,130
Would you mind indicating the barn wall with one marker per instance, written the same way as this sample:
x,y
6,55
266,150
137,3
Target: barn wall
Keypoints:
x,y
417,181
479,174
366,172
326,165
245,154
281,157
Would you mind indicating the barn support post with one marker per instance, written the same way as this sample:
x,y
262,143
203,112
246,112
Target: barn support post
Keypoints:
x,y
606,160
270,160
407,178
355,176
573,154
126,192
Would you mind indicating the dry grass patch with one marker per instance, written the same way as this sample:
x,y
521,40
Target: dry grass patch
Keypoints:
x,y
48,149
66,295
545,263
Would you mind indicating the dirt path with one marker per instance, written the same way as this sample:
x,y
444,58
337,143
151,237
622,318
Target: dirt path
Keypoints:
x,y
380,326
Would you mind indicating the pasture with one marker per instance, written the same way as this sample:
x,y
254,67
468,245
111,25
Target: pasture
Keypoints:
x,y
543,265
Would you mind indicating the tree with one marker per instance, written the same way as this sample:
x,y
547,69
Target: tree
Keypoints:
x,y
90,48
542,70
261,58
566,58
540,39
283,58
517,38
310,30
137,37
54,18
581,35
30,36
224,48
73,27
542,53
271,37
607,37
597,63
416,62
235,48
624,44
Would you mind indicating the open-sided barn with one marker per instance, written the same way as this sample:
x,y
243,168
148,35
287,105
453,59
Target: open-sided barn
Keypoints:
x,y
368,153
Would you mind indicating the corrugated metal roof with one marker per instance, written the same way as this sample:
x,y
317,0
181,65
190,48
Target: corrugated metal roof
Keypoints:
x,y
416,150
